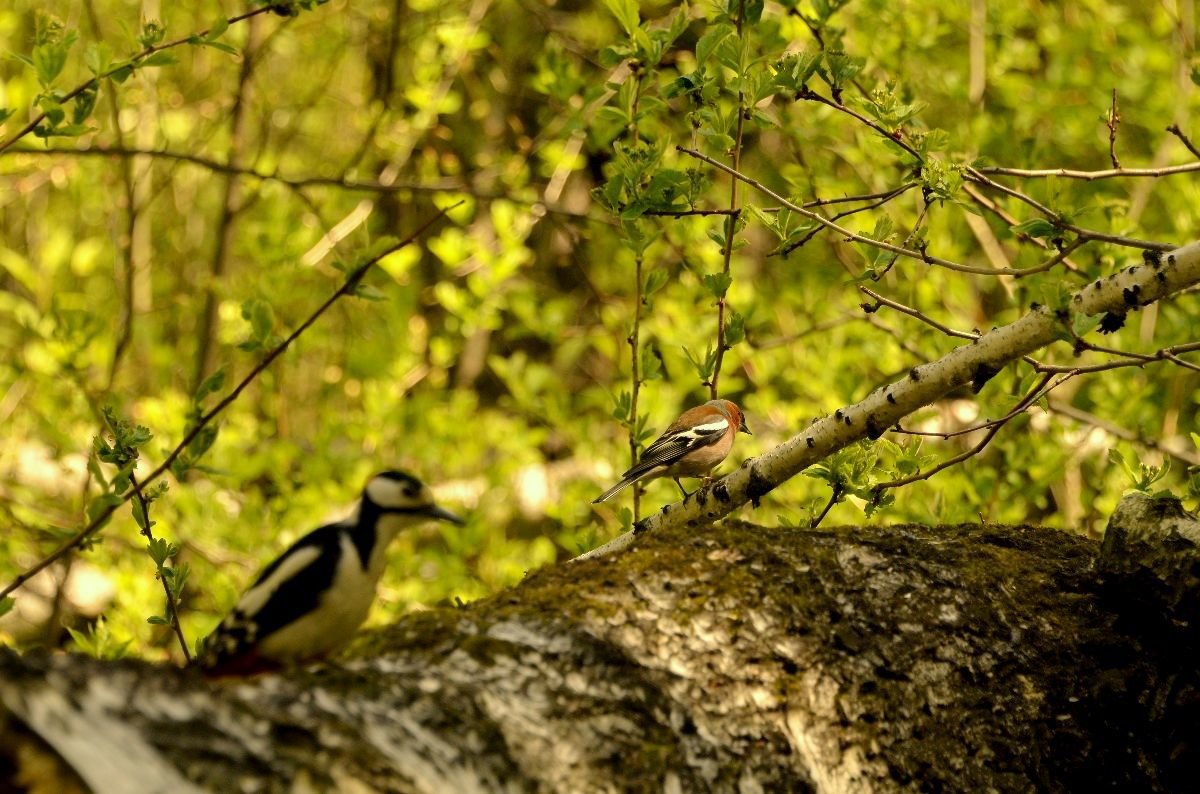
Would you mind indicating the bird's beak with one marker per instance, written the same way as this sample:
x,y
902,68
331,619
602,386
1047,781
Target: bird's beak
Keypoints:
x,y
443,514
745,428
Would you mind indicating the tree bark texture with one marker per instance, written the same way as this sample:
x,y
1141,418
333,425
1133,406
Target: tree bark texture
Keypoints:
x,y
731,658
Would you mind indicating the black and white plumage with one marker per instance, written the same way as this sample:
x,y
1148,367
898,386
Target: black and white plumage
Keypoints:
x,y
308,603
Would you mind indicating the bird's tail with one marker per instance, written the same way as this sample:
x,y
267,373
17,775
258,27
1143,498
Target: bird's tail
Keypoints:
x,y
616,489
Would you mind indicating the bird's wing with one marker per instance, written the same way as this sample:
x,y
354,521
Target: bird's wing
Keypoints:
x,y
674,444
289,586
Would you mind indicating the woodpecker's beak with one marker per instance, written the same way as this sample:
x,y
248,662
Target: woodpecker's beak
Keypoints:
x,y
442,514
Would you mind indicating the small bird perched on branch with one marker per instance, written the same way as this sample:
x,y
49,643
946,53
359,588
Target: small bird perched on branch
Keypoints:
x,y
695,443
309,602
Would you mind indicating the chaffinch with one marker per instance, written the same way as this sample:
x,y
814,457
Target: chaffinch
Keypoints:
x,y
694,443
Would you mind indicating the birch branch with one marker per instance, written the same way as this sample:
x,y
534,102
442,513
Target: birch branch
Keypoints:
x,y
1139,285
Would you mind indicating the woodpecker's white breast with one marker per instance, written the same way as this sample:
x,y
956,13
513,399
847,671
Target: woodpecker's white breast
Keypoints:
x,y
339,612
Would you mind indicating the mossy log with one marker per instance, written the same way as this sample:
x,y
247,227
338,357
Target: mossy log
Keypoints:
x,y
736,658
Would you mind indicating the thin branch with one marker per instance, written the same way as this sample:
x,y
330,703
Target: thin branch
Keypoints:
x,y
835,496
1184,139
911,312
1032,396
1114,118
172,606
636,377
885,195
855,237
896,137
347,287
133,61
1089,176
1058,220
731,220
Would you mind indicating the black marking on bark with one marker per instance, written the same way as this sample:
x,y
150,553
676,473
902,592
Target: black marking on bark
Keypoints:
x,y
1035,306
1130,295
983,373
1161,276
847,420
720,492
1112,322
809,441
838,414
758,486
1170,259
1153,258
914,375
891,398
874,431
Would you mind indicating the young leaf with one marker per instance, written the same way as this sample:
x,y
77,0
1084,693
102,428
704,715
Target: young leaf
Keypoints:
x,y
717,283
626,12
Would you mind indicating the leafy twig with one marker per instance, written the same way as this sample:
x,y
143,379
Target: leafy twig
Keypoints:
x,y
94,83
172,577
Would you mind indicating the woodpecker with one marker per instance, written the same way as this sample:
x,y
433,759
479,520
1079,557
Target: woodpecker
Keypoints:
x,y
308,603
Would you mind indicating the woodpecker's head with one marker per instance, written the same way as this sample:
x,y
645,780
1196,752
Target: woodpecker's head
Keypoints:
x,y
395,493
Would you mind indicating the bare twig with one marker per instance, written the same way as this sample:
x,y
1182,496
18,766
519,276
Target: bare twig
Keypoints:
x,y
1184,139
347,287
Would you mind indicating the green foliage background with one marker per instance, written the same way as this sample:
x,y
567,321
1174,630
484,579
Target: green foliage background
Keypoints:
x,y
489,357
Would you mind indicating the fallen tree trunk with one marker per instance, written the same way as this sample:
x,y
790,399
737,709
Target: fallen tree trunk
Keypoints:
x,y
737,658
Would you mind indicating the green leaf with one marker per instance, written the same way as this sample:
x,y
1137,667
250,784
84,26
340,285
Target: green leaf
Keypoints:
x,y
6,605
626,12
717,283
85,101
97,57
139,515
158,549
1035,227
210,385
655,280
735,329
261,317
222,46
710,40
217,30
49,59
158,620
100,504
160,58
367,292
